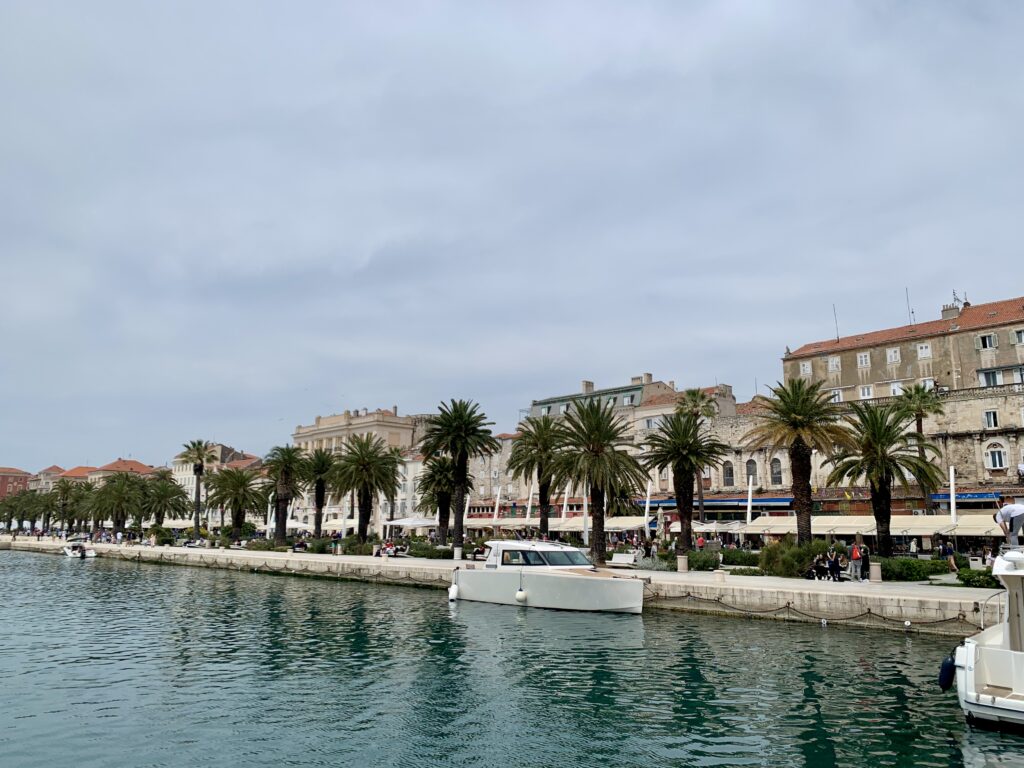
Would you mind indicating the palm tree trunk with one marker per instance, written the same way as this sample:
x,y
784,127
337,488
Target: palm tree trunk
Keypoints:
x,y
800,461
683,487
461,473
319,497
444,511
198,473
365,510
597,540
699,479
544,502
881,506
281,519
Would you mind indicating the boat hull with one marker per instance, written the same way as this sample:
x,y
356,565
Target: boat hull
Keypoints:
x,y
560,590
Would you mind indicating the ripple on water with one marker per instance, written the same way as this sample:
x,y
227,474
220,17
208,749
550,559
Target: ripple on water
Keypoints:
x,y
170,666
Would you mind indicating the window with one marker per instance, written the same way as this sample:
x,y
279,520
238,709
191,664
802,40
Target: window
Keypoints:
x,y
563,408
545,410
627,399
995,456
866,392
928,384
924,350
892,355
752,470
896,388
837,395
990,378
649,424
1018,337
611,401
727,476
986,341
776,468
1018,375
805,367
863,359
991,420
834,364
494,474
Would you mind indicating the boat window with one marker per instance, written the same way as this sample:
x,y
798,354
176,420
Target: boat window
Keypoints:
x,y
512,557
566,557
533,558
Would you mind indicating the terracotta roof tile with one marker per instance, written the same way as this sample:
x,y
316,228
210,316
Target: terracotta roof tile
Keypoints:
x,y
77,473
972,317
12,471
126,465
51,469
245,463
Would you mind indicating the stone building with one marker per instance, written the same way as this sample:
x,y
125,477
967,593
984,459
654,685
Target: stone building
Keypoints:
x,y
224,456
13,481
43,480
332,431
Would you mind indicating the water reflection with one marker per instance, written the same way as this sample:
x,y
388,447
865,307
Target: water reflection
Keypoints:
x,y
195,667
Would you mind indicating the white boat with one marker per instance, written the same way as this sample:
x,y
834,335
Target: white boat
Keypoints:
x,y
79,549
545,574
990,665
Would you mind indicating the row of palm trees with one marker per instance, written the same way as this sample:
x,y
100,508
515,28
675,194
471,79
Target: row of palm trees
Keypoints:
x,y
122,498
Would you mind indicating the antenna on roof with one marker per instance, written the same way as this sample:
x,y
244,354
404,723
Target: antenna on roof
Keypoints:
x,y
910,312
836,318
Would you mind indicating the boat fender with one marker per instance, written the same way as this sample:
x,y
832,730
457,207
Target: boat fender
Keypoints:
x,y
453,593
521,596
947,673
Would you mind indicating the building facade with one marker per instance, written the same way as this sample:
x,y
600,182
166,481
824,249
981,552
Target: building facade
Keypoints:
x,y
13,481
43,480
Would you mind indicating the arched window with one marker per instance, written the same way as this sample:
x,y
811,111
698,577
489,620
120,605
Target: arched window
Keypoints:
x,y
776,472
752,470
995,456
727,476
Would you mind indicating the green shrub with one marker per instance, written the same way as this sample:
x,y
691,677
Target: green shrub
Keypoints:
x,y
261,545
248,530
911,569
320,546
740,557
791,560
980,579
703,561
163,535
746,572
352,546
425,549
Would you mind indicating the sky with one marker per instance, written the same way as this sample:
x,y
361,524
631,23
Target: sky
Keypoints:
x,y
221,219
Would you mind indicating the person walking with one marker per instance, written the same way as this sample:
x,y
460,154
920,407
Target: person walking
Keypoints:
x,y
1010,518
855,562
950,554
833,564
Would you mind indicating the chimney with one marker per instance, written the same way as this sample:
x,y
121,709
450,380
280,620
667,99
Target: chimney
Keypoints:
x,y
365,411
672,384
637,380
587,387
394,409
648,378
950,311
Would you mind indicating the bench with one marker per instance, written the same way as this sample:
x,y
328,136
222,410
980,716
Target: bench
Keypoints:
x,y
623,560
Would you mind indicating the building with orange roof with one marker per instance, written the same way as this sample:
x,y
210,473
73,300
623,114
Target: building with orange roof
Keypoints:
x,y
119,466
44,479
13,481
78,474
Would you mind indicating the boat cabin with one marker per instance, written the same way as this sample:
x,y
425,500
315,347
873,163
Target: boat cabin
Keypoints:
x,y
547,554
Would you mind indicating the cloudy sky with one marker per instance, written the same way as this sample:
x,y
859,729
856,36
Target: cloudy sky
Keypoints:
x,y
221,219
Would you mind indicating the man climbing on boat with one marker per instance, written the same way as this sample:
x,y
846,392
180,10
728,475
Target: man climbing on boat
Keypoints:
x,y
1010,518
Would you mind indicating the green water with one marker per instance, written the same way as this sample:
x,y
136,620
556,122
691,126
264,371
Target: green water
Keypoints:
x,y
107,663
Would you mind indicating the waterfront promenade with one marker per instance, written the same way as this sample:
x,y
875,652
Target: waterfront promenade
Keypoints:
x,y
932,608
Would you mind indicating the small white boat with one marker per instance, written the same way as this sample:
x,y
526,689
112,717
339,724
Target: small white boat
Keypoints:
x,y
989,666
79,550
545,574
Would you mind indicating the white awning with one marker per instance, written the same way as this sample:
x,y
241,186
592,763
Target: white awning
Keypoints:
x,y
624,523
413,522
475,523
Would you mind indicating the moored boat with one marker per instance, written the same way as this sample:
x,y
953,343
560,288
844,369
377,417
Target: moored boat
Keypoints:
x,y
545,574
79,550
989,666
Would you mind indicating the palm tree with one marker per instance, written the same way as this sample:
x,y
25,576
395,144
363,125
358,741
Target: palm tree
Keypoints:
x,y
240,491
81,504
119,498
368,467
702,405
920,401
461,431
683,444
882,450
593,456
199,453
437,488
285,465
164,498
799,418
320,466
533,454
64,490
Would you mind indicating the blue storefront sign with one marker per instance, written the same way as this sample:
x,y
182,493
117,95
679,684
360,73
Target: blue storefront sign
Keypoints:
x,y
966,496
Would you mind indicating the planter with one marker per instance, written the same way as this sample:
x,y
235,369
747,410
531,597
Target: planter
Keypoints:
x,y
876,572
682,563
457,554
719,575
